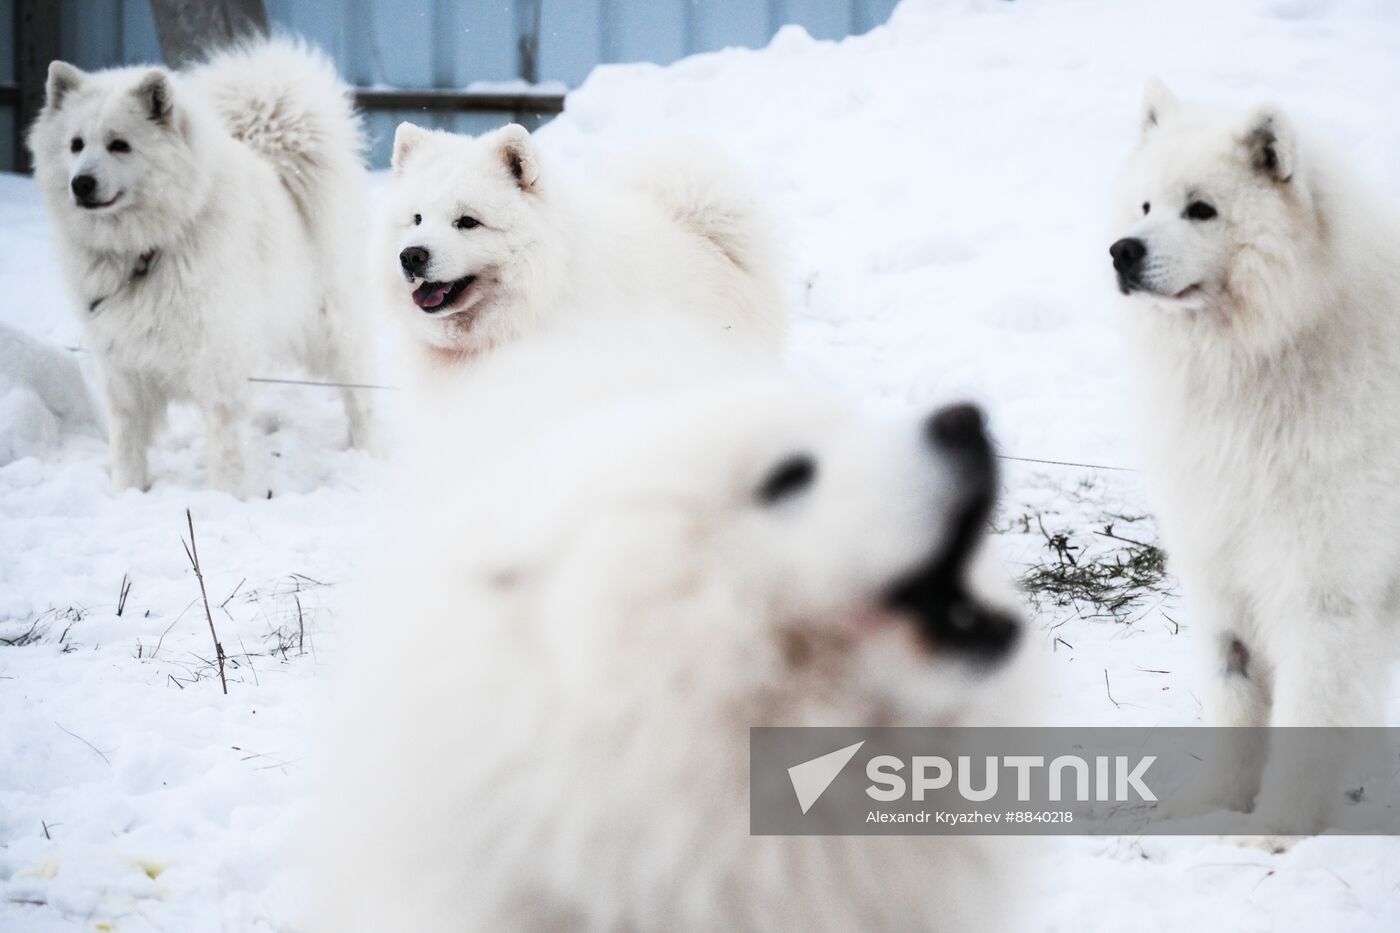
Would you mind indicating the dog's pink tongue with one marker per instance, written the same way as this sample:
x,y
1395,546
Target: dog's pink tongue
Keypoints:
x,y
431,294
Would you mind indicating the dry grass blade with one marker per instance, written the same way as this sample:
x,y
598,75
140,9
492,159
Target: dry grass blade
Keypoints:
x,y
192,552
1112,583
125,592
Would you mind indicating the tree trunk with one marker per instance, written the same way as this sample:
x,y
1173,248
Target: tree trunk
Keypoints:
x,y
190,29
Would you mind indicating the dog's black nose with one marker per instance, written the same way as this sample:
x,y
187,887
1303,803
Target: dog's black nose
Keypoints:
x,y
959,433
414,259
1127,254
84,186
977,632
958,427
937,593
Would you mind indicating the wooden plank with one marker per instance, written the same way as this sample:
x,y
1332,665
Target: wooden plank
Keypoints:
x,y
37,44
457,100
188,29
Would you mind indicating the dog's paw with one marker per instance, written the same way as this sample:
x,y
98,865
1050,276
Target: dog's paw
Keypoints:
x,y
129,478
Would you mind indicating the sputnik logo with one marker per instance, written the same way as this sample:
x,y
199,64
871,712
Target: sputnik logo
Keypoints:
x,y
811,778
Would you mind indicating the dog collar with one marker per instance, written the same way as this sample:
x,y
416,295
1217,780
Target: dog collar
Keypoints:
x,y
144,262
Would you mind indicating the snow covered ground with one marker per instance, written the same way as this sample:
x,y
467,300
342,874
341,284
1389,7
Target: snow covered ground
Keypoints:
x,y
942,185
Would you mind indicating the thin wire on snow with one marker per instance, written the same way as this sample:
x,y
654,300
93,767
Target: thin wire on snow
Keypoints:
x,y
267,380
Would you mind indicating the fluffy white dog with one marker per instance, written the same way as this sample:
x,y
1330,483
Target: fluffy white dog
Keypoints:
x,y
204,220
485,241
543,723
1263,287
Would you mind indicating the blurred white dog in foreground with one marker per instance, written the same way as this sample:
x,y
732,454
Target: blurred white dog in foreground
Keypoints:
x,y
1264,290
485,241
544,721
205,221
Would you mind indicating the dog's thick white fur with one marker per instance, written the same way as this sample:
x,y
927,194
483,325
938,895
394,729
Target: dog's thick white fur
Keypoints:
x,y
205,221
1265,300
485,241
542,722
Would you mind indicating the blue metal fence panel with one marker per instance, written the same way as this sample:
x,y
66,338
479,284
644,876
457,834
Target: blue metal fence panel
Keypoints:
x,y
450,43
322,23
90,33
718,24
401,36
103,33
872,13
645,30
571,39
477,43
822,20
138,25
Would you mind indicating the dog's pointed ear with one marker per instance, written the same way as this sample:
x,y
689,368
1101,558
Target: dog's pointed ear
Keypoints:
x,y
154,95
63,78
406,139
1269,140
1157,103
518,155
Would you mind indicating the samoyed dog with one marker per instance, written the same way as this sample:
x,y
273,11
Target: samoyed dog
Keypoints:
x,y
1263,287
543,720
486,241
204,221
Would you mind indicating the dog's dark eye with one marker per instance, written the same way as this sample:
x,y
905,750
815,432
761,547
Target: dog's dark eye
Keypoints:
x,y
1146,207
417,219
466,223
1200,210
119,145
787,479
76,145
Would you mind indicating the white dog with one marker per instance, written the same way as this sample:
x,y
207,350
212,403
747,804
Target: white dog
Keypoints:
x,y
1264,290
205,220
544,722
485,241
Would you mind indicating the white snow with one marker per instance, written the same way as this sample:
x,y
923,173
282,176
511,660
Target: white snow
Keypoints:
x,y
942,187
43,396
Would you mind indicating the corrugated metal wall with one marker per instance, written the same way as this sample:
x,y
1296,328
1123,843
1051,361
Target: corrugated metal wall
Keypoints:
x,y
451,43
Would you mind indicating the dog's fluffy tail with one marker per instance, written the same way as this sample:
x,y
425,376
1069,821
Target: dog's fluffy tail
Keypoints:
x,y
284,100
695,184
698,186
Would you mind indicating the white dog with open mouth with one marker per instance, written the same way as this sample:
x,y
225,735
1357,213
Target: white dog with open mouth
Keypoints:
x,y
544,721
1263,287
205,221
486,241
